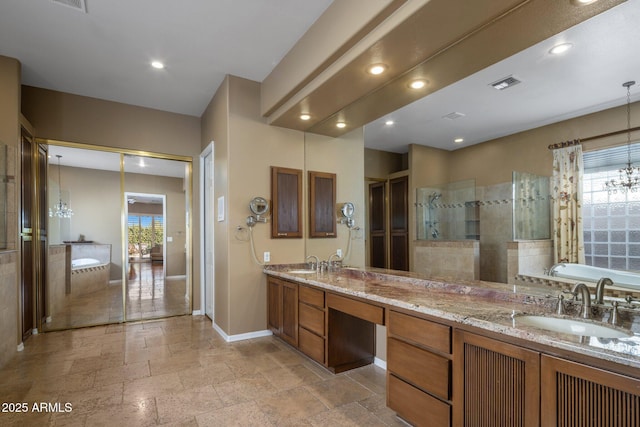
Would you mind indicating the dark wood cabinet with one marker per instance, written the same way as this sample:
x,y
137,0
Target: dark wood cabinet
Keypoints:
x,y
574,394
322,204
312,323
377,225
286,197
494,383
282,310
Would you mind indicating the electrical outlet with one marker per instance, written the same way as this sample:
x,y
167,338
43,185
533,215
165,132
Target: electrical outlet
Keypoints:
x,y
339,253
267,256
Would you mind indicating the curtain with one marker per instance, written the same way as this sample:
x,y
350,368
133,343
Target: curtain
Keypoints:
x,y
566,193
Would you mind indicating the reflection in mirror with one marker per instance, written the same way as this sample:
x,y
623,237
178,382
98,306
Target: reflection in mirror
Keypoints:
x,y
86,263
83,286
4,181
156,259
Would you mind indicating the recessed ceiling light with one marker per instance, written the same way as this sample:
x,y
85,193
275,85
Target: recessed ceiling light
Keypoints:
x,y
582,2
389,122
377,69
157,65
304,117
341,125
418,84
560,48
458,140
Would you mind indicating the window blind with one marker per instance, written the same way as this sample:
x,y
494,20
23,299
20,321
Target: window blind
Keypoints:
x,y
611,158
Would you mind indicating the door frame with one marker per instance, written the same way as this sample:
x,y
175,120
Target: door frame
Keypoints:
x,y
207,226
128,194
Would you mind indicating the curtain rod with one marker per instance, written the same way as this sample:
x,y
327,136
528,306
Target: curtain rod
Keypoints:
x,y
590,138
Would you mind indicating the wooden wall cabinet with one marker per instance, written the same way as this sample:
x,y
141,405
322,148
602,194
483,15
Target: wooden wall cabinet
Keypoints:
x,y
322,204
286,197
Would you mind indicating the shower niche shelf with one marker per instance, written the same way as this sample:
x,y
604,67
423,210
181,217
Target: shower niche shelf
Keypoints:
x,y
472,220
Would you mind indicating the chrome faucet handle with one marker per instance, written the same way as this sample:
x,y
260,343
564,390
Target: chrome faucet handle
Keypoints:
x,y
630,300
572,293
614,313
560,310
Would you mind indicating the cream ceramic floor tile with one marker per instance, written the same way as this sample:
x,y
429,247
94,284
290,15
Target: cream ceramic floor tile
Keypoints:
x,y
339,391
246,414
182,406
111,377
351,415
291,405
244,389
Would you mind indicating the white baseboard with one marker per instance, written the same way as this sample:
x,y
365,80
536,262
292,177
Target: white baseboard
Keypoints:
x,y
196,313
241,337
380,363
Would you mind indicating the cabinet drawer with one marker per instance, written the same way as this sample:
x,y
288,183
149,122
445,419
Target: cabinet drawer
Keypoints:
x,y
311,345
311,296
429,334
311,318
416,406
426,370
362,310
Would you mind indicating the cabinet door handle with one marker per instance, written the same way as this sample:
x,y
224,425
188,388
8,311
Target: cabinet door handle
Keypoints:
x,y
282,234
329,234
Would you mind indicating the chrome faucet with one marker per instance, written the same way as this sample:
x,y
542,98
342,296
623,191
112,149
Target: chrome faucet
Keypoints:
x,y
314,266
586,298
600,289
331,263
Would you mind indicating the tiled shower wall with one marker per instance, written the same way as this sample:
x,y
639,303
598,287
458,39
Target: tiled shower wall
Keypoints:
x,y
496,229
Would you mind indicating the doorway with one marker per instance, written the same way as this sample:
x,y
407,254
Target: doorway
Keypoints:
x,y
207,225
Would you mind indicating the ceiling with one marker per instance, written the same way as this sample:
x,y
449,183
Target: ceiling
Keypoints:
x,y
106,52
585,79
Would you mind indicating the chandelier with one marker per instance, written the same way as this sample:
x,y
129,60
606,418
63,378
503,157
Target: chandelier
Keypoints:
x,y
60,209
629,175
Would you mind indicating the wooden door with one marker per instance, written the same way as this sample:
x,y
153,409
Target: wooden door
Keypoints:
x,y
495,383
399,229
274,305
28,256
41,235
377,225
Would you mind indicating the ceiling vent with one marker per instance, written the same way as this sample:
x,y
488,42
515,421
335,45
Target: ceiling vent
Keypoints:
x,y
453,116
505,83
78,5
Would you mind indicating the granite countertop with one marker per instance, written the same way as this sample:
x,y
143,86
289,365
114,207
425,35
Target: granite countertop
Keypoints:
x,y
486,305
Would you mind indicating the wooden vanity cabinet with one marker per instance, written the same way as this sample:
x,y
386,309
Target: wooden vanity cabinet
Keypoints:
x,y
575,394
282,297
419,369
494,383
311,323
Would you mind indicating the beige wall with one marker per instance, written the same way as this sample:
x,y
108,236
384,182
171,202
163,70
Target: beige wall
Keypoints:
x,y
245,148
73,118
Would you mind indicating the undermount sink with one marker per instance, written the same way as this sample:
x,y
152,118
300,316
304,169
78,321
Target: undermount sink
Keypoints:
x,y
570,326
301,271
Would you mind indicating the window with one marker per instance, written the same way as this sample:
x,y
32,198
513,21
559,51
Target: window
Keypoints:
x,y
145,231
611,221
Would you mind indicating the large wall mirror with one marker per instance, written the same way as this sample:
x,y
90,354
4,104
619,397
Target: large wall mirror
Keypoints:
x,y
124,251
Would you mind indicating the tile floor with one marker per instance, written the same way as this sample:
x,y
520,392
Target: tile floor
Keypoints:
x,y
180,372
149,296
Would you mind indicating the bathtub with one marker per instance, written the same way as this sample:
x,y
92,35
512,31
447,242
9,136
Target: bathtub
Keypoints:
x,y
588,273
88,268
